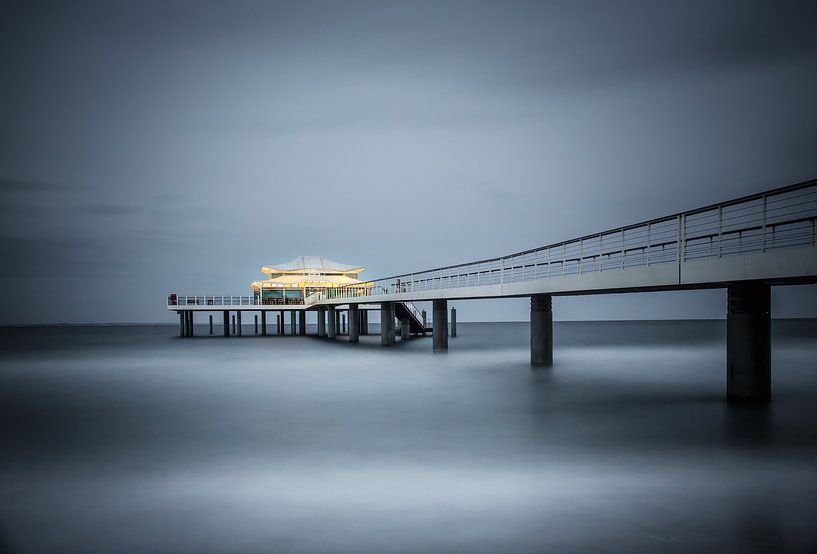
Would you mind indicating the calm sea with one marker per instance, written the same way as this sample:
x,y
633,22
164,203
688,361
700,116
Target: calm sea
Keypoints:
x,y
131,440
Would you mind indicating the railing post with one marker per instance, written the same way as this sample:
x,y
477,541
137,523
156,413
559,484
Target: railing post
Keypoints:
x,y
763,235
564,255
601,252
548,261
581,255
720,231
680,252
649,241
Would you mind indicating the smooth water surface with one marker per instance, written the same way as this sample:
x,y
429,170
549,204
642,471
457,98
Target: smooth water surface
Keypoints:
x,y
130,439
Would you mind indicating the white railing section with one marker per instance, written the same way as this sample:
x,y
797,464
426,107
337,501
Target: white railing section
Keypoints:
x,y
418,315
174,300
780,218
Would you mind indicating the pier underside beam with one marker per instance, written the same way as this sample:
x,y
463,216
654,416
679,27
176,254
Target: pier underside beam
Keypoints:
x,y
386,323
440,324
748,342
331,321
541,330
354,323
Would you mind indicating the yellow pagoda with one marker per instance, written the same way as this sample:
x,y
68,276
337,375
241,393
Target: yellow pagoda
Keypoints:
x,y
295,280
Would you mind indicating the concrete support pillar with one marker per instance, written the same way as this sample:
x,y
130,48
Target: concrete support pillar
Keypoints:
x,y
255,317
225,323
331,322
748,342
337,322
425,322
354,323
541,330
211,324
405,329
386,323
190,332
292,325
280,323
321,322
343,324
440,323
182,329
234,324
453,322
238,324
302,322
364,322
264,324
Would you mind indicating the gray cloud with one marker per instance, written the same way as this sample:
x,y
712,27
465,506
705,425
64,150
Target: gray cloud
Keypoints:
x,y
184,144
107,209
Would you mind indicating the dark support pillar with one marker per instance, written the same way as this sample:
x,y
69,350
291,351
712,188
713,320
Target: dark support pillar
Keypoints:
x,y
342,324
332,321
405,329
321,321
182,322
541,330
280,323
748,342
337,322
211,324
292,325
440,323
386,323
234,324
425,323
256,324
453,322
302,322
354,323
225,323
190,332
264,323
364,322
238,324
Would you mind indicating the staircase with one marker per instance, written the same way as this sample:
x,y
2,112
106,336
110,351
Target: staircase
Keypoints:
x,y
409,311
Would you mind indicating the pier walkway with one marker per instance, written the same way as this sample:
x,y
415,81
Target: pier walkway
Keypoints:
x,y
745,245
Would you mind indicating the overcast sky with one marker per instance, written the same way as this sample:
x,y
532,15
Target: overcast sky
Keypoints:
x,y
150,147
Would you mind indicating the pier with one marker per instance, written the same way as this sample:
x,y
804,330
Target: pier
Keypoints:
x,y
744,245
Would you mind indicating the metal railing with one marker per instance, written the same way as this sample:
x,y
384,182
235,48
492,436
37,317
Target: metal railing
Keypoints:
x,y
173,300
779,218
418,315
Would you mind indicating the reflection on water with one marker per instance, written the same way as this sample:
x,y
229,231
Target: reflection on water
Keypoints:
x,y
132,440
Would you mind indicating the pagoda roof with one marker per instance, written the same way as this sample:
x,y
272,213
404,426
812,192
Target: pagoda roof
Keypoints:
x,y
316,264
